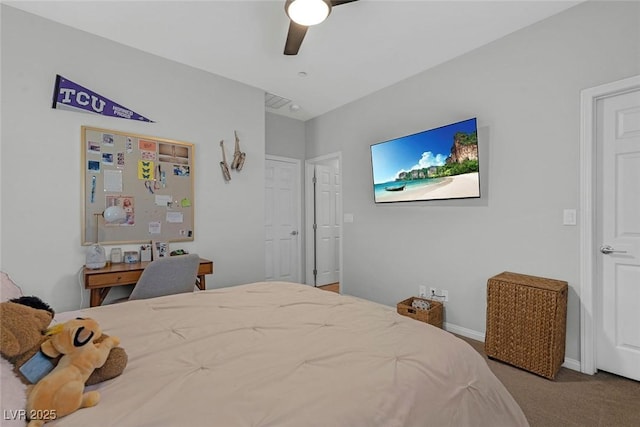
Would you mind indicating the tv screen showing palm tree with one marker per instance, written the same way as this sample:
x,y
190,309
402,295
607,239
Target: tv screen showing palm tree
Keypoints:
x,y
436,164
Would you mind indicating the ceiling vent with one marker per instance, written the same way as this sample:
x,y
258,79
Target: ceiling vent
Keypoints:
x,y
275,101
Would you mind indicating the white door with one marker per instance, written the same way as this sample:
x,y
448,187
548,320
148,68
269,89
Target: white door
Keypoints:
x,y
282,219
618,328
327,223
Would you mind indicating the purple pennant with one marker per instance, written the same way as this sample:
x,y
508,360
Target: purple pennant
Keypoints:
x,y
71,96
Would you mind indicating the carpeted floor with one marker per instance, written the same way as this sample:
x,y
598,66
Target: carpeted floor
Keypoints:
x,y
573,399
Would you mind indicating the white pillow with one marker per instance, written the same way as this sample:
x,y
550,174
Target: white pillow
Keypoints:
x,y
14,396
8,290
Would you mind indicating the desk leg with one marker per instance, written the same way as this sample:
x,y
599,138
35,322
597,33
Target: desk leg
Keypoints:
x,y
200,283
97,296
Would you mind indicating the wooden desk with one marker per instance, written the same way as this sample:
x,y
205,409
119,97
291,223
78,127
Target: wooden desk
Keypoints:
x,y
101,280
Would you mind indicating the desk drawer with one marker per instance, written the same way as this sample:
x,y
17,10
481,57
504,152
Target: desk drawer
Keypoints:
x,y
205,268
113,279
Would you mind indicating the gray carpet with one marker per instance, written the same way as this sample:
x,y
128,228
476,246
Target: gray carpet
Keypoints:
x,y
572,399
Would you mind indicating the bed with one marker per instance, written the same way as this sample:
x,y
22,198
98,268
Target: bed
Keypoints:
x,y
284,354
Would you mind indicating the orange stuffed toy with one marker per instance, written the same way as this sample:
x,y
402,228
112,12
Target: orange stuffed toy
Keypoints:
x,y
61,392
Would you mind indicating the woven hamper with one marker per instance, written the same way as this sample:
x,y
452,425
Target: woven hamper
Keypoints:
x,y
432,316
526,322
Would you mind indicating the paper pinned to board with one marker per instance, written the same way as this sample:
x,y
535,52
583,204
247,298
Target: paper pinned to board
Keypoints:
x,y
146,170
155,227
175,217
113,180
163,200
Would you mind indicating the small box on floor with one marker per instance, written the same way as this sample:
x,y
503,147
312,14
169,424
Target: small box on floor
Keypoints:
x,y
424,310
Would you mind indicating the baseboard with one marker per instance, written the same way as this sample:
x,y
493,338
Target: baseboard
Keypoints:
x,y
572,364
478,336
465,332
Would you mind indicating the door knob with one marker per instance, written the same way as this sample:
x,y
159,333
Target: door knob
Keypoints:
x,y
294,233
606,249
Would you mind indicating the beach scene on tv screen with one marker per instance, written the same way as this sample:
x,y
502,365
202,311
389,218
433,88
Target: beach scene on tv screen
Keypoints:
x,y
436,164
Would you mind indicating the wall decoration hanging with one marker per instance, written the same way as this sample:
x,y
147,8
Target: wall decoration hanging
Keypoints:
x,y
238,156
152,181
223,164
68,95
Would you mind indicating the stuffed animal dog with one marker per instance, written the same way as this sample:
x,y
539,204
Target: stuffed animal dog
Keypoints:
x,y
61,392
23,323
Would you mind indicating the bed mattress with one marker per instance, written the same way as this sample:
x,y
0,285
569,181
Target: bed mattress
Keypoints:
x,y
283,354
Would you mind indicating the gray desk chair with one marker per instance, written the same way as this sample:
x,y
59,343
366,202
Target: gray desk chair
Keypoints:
x,y
167,276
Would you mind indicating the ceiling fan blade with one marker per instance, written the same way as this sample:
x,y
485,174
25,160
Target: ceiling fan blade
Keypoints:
x,y
294,38
297,32
339,2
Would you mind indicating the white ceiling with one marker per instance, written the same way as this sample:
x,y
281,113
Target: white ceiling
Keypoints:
x,y
362,47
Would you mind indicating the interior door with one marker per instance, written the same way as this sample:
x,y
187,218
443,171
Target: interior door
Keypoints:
x,y
282,219
618,330
327,223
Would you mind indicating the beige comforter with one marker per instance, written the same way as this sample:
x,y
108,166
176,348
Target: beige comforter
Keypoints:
x,y
282,354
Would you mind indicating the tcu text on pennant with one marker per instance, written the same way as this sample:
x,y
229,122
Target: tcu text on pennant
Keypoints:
x,y
72,96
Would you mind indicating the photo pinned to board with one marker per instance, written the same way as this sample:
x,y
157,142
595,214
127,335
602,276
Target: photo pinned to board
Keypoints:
x,y
93,166
181,170
173,153
120,160
93,147
108,140
127,204
107,159
160,249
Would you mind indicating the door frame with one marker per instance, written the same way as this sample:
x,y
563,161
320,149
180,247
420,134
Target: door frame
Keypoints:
x,y
298,165
308,186
589,314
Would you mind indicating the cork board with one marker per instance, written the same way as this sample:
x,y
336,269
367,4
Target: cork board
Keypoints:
x,y
151,178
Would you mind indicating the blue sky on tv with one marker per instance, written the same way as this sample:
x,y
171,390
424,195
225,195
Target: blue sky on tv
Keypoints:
x,y
423,149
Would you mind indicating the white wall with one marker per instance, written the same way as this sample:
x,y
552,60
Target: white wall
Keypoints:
x,y
41,169
525,91
285,136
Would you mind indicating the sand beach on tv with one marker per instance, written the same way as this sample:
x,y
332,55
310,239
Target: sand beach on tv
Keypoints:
x,y
452,187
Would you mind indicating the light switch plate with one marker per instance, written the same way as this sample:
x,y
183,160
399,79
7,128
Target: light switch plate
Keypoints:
x,y
569,217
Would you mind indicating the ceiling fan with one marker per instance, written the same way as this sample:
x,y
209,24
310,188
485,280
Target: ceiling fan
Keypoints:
x,y
303,14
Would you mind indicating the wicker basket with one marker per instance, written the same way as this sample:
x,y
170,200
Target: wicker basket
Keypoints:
x,y
526,322
432,316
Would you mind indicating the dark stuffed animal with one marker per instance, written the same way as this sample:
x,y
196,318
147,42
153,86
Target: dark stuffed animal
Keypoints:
x,y
34,302
24,322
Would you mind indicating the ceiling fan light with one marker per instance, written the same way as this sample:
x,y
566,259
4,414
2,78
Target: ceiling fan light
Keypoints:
x,y
308,12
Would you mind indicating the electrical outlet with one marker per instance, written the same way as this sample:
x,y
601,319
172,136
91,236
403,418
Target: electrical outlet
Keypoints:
x,y
422,291
433,292
445,295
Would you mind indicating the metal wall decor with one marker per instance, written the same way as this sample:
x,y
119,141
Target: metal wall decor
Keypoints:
x,y
238,159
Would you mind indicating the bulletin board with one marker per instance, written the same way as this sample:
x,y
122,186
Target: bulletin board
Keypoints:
x,y
151,178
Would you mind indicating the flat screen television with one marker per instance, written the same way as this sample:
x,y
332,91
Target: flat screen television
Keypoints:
x,y
436,164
